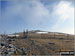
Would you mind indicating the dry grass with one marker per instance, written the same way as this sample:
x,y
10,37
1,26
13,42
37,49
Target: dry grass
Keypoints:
x,y
44,44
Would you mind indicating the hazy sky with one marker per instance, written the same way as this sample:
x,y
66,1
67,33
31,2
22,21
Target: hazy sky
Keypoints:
x,y
48,15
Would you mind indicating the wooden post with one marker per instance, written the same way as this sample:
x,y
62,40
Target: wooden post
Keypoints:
x,y
25,34
15,34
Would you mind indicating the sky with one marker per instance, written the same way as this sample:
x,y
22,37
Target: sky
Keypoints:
x,y
47,15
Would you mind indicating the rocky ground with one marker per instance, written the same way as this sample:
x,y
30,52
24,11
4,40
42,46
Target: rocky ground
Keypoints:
x,y
35,45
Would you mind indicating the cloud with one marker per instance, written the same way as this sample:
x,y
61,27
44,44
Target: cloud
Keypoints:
x,y
32,12
28,14
64,11
36,14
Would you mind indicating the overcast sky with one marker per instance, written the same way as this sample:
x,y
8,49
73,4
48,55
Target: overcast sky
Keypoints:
x,y
47,15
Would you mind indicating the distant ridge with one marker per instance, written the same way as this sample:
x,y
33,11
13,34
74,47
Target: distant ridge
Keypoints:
x,y
36,31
